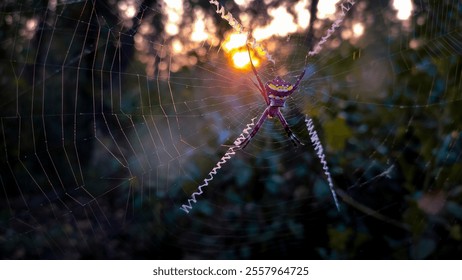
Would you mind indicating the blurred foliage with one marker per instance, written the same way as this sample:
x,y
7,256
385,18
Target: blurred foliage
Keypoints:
x,y
393,142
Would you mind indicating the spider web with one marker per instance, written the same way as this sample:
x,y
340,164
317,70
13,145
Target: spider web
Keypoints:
x,y
111,117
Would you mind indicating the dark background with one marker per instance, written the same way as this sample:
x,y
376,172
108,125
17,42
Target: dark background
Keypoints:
x,y
99,148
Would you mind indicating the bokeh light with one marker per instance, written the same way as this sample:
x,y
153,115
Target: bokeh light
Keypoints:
x,y
189,42
404,9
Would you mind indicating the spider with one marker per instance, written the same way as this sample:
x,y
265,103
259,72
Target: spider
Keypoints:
x,y
275,92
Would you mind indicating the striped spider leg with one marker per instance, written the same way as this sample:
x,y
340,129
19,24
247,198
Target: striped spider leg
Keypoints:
x,y
275,92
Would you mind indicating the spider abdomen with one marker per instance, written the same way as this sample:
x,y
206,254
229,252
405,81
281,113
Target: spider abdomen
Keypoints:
x,y
280,88
278,91
277,100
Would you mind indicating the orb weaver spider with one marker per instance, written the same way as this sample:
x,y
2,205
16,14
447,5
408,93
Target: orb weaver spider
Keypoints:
x,y
275,92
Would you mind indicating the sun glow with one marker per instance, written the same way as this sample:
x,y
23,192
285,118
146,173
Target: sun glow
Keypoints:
x,y
235,48
241,59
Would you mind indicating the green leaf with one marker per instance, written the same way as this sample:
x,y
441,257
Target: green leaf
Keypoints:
x,y
337,132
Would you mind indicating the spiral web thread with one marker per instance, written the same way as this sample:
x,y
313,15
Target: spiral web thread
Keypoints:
x,y
227,156
234,23
320,152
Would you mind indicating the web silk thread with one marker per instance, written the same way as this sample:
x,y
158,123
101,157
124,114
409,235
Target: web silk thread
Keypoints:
x,y
320,152
225,158
227,16
234,23
345,7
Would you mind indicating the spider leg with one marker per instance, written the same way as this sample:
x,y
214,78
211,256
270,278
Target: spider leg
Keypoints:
x,y
255,129
261,88
289,132
299,79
